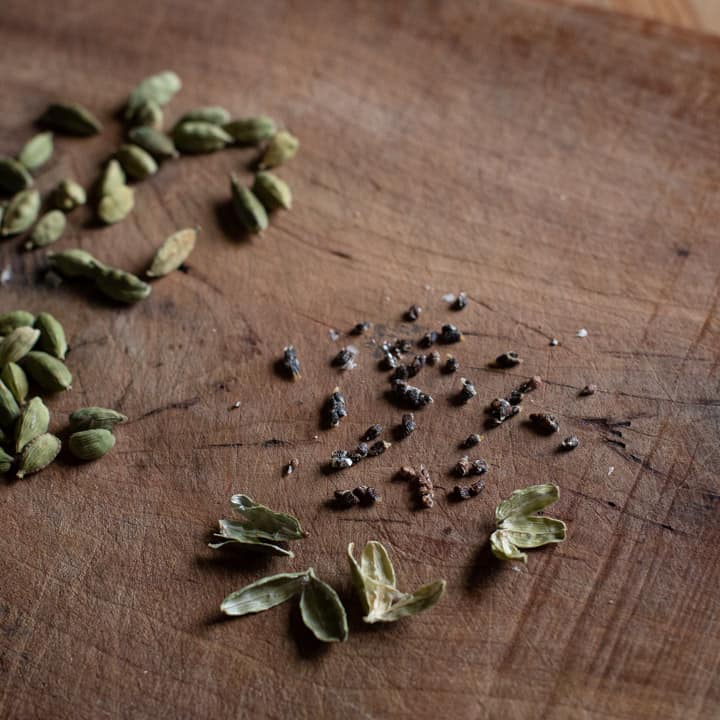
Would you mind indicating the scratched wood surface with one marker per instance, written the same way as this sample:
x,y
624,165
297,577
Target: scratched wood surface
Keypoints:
x,y
560,166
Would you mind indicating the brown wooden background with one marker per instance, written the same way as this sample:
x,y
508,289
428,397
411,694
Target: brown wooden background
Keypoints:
x,y
560,166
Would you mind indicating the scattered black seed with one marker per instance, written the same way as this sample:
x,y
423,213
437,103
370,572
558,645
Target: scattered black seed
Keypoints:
x,y
545,423
590,389
340,459
468,391
410,394
345,359
345,499
366,495
569,443
412,313
462,468
471,440
291,364
378,448
554,342
450,334
515,397
532,384
360,328
461,492
290,468
433,358
460,302
479,467
336,408
451,364
372,432
360,452
407,425
428,339
389,361
401,372
501,410
508,359
401,347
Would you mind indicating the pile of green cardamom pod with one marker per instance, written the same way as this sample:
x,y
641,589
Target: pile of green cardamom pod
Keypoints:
x,y
202,130
32,353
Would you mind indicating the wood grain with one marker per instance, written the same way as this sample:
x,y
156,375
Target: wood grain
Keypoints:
x,y
560,166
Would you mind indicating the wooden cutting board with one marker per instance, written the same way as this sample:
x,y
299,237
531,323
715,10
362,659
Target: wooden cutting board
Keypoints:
x,y
559,166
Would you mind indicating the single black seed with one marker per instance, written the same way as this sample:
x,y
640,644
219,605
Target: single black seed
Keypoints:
x,y
345,359
433,358
471,440
360,328
590,389
532,384
366,495
400,347
460,492
410,394
290,468
545,423
428,339
378,448
462,468
372,432
460,302
569,443
407,425
508,359
515,397
389,361
401,372
345,499
468,391
340,459
500,410
451,365
290,362
450,334
479,467
412,313
360,452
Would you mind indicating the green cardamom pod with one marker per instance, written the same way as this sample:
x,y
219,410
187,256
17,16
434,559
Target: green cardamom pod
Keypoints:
x,y
200,137
121,286
95,417
52,335
6,462
75,263
15,319
212,114
17,344
282,147
9,409
153,141
34,420
136,163
272,192
38,454
248,208
14,176
322,610
264,594
116,205
251,131
71,119
37,151
47,371
173,252
112,178
21,212
148,114
159,88
16,380
49,229
68,195
91,444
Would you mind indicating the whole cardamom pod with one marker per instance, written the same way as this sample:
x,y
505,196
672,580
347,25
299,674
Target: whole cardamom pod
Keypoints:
x,y
272,192
153,141
71,119
47,371
148,114
17,344
37,151
14,176
136,163
52,335
211,114
95,417
282,147
159,88
15,319
251,131
248,208
38,454
21,212
116,205
34,421
68,195
74,263
6,462
9,409
121,286
91,444
173,252
200,137
112,178
16,380
49,229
